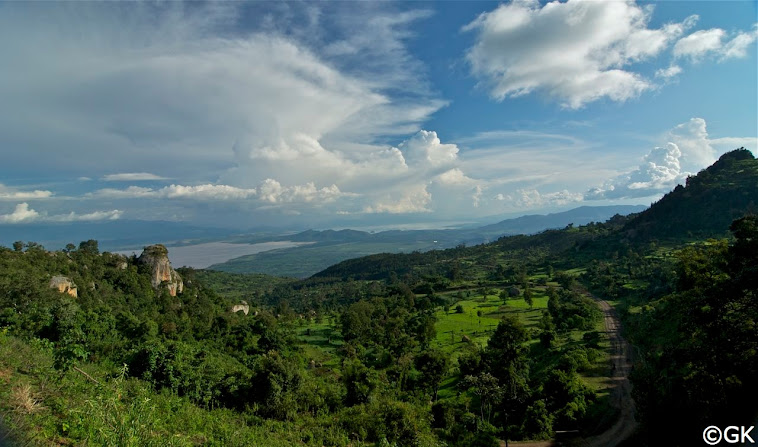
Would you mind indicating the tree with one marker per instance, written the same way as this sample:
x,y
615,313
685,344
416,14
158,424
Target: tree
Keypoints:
x,y
528,297
89,247
506,359
276,385
18,246
433,365
359,382
487,388
566,280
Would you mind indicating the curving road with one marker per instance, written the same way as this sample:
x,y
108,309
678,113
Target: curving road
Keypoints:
x,y
621,388
621,391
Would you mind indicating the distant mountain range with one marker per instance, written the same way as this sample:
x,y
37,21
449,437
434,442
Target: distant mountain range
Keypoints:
x,y
332,246
127,234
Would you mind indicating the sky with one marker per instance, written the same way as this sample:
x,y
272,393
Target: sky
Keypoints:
x,y
350,114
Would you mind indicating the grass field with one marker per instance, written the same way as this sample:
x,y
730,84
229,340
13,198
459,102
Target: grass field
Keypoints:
x,y
480,317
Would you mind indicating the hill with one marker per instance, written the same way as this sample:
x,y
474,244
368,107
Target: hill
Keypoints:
x,y
706,205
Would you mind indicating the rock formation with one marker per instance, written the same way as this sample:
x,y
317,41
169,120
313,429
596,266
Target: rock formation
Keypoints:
x,y
64,285
243,306
156,257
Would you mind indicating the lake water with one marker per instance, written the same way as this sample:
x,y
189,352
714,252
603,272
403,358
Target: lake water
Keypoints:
x,y
200,256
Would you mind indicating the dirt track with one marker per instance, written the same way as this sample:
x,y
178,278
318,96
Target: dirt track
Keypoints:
x,y
621,391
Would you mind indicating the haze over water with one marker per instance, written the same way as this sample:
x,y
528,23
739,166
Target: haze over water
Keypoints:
x,y
200,256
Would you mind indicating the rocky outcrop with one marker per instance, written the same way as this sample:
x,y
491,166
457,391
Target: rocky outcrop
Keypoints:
x,y
64,285
243,306
161,272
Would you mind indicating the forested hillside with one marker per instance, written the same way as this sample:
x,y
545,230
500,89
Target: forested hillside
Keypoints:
x,y
458,347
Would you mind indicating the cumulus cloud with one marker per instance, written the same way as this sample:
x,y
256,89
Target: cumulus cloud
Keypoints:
x,y
688,150
454,177
131,177
574,51
414,200
24,214
659,172
425,148
8,193
715,42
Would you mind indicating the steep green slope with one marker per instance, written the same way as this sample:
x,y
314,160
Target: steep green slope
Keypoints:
x,y
707,205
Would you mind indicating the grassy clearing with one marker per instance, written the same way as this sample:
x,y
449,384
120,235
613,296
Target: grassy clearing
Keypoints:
x,y
320,342
480,317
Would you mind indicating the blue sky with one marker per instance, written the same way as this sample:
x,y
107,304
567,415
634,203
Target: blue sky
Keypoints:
x,y
348,114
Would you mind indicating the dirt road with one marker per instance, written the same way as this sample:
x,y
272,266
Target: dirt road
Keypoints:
x,y
621,393
621,389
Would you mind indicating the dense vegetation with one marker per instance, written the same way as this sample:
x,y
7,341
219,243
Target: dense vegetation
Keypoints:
x,y
382,375
465,346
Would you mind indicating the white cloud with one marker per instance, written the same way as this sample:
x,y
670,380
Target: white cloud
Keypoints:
x,y
454,177
737,47
699,43
531,198
125,86
206,192
425,148
476,196
88,217
688,150
660,172
8,193
273,192
24,214
692,139
574,51
131,177
269,190
669,72
711,42
414,200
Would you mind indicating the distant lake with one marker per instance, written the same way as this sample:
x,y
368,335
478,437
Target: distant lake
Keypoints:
x,y
201,256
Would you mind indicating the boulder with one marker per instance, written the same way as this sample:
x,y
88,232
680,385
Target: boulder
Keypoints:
x,y
64,285
241,307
